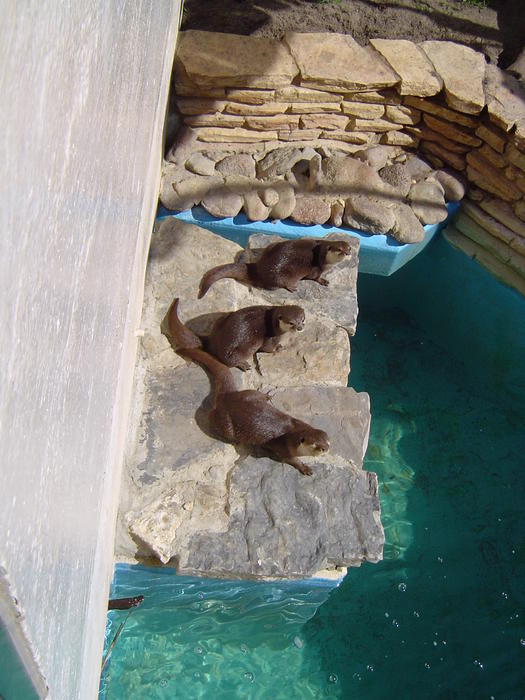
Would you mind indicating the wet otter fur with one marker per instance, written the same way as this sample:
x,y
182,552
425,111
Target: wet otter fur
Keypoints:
x,y
248,417
238,335
282,265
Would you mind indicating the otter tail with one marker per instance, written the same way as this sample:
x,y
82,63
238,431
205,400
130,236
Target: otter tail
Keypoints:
x,y
236,271
222,377
182,337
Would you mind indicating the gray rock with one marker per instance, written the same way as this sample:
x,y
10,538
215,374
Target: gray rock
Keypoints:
x,y
222,202
427,202
407,228
310,209
188,192
366,213
281,160
286,203
193,501
338,209
254,207
397,176
269,196
454,188
344,175
417,168
239,164
376,156
200,165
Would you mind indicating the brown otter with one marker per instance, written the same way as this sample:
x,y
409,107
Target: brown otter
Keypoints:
x,y
282,265
237,336
248,417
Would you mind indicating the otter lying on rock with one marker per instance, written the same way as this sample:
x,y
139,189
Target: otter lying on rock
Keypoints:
x,y
238,335
282,265
248,417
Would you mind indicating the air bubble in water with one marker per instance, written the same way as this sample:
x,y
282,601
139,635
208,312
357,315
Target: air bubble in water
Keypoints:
x,y
200,596
197,675
504,595
356,676
427,665
478,663
370,668
402,587
387,615
198,650
522,642
248,676
415,613
298,643
395,623
244,648
163,683
332,678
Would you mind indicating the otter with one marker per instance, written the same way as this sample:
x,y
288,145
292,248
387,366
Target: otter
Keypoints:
x,y
237,336
282,265
248,417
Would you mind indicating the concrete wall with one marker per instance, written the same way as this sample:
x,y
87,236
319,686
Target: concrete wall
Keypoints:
x,y
83,89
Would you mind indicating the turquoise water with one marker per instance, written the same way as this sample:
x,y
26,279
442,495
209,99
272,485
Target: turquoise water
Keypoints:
x,y
443,616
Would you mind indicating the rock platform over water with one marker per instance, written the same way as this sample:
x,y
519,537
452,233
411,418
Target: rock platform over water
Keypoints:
x,y
205,506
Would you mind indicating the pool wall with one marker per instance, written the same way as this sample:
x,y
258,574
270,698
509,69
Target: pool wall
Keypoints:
x,y
464,309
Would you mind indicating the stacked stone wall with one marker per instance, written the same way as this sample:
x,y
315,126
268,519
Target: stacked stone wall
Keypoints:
x,y
252,97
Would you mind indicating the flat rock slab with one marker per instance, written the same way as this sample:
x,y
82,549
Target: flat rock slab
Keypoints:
x,y
417,74
212,509
336,62
210,59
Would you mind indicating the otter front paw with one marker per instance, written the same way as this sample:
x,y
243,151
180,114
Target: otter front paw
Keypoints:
x,y
245,366
304,469
291,289
278,347
323,282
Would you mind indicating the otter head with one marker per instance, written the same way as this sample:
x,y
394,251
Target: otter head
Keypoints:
x,y
309,441
336,251
288,318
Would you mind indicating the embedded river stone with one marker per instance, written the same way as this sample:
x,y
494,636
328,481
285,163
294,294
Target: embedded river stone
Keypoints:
x,y
427,202
370,214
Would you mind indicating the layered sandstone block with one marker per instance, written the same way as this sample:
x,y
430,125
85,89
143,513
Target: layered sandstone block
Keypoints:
x,y
323,96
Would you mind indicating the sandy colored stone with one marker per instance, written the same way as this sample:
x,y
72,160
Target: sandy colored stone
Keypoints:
x,y
299,134
462,70
277,121
407,228
519,209
515,156
489,223
200,165
194,105
267,108
222,202
281,160
440,111
503,212
296,93
497,160
363,110
377,156
357,137
252,97
212,59
368,213
453,187
286,203
310,209
497,268
190,192
235,135
480,235
451,132
338,62
423,132
398,177
346,175
401,114
240,164
427,202
418,76
488,180
400,138
375,125
187,90
324,121
495,175
254,208
312,107
218,119
505,98
493,136
517,176
383,97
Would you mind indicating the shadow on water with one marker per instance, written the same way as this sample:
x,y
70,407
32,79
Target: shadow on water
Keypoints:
x,y
442,615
